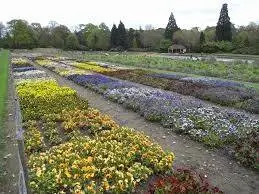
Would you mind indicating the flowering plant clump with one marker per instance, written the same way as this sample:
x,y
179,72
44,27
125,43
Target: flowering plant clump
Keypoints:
x,y
33,137
20,62
51,133
90,66
246,150
59,68
30,74
115,161
182,181
42,97
90,119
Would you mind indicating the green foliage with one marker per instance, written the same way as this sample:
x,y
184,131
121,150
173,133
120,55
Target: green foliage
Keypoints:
x,y
44,38
189,38
122,36
239,72
171,27
21,34
213,47
151,39
241,40
97,37
131,35
72,42
210,34
4,54
223,29
165,44
202,38
4,79
114,36
59,35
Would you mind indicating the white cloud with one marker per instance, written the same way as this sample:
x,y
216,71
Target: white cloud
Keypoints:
x,y
133,13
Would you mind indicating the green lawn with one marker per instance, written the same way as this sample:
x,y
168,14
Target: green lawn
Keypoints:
x,y
3,94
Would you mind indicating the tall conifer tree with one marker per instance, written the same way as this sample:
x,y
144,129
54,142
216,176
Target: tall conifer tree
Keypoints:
x,y
122,36
223,29
171,27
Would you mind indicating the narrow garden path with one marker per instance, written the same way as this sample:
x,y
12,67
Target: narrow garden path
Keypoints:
x,y
12,168
223,172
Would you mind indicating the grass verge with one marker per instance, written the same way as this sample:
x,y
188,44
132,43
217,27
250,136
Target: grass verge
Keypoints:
x,y
3,94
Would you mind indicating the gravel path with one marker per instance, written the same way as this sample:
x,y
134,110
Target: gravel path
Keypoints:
x,y
223,172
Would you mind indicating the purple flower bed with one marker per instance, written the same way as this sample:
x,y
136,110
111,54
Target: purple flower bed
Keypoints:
x,y
213,82
93,79
22,69
167,76
98,81
185,115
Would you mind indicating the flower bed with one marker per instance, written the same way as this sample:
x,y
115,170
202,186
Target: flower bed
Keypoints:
x,y
91,153
59,68
20,62
182,181
90,66
22,69
223,92
211,125
36,94
213,82
116,161
30,74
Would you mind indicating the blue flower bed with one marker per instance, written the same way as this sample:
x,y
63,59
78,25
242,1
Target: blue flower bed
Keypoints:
x,y
22,69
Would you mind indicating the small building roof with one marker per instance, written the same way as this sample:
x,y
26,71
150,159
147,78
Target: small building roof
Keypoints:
x,y
178,46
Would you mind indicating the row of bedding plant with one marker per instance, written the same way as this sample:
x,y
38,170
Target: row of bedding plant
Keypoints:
x,y
223,92
72,148
233,71
219,91
216,127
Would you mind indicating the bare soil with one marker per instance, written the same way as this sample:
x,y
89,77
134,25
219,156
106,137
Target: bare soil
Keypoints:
x,y
222,171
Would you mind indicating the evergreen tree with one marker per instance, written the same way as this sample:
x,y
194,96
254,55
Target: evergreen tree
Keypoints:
x,y
131,35
122,36
138,39
171,27
114,35
223,29
202,38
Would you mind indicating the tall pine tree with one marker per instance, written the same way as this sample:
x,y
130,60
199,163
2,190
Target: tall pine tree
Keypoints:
x,y
223,29
114,34
122,36
202,38
171,27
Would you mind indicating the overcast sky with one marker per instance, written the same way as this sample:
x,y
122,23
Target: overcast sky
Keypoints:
x,y
133,13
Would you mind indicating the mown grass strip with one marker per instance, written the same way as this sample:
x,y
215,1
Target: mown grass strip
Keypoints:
x,y
3,94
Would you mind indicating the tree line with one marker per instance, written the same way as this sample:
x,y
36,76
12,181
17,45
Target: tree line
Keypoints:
x,y
223,37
